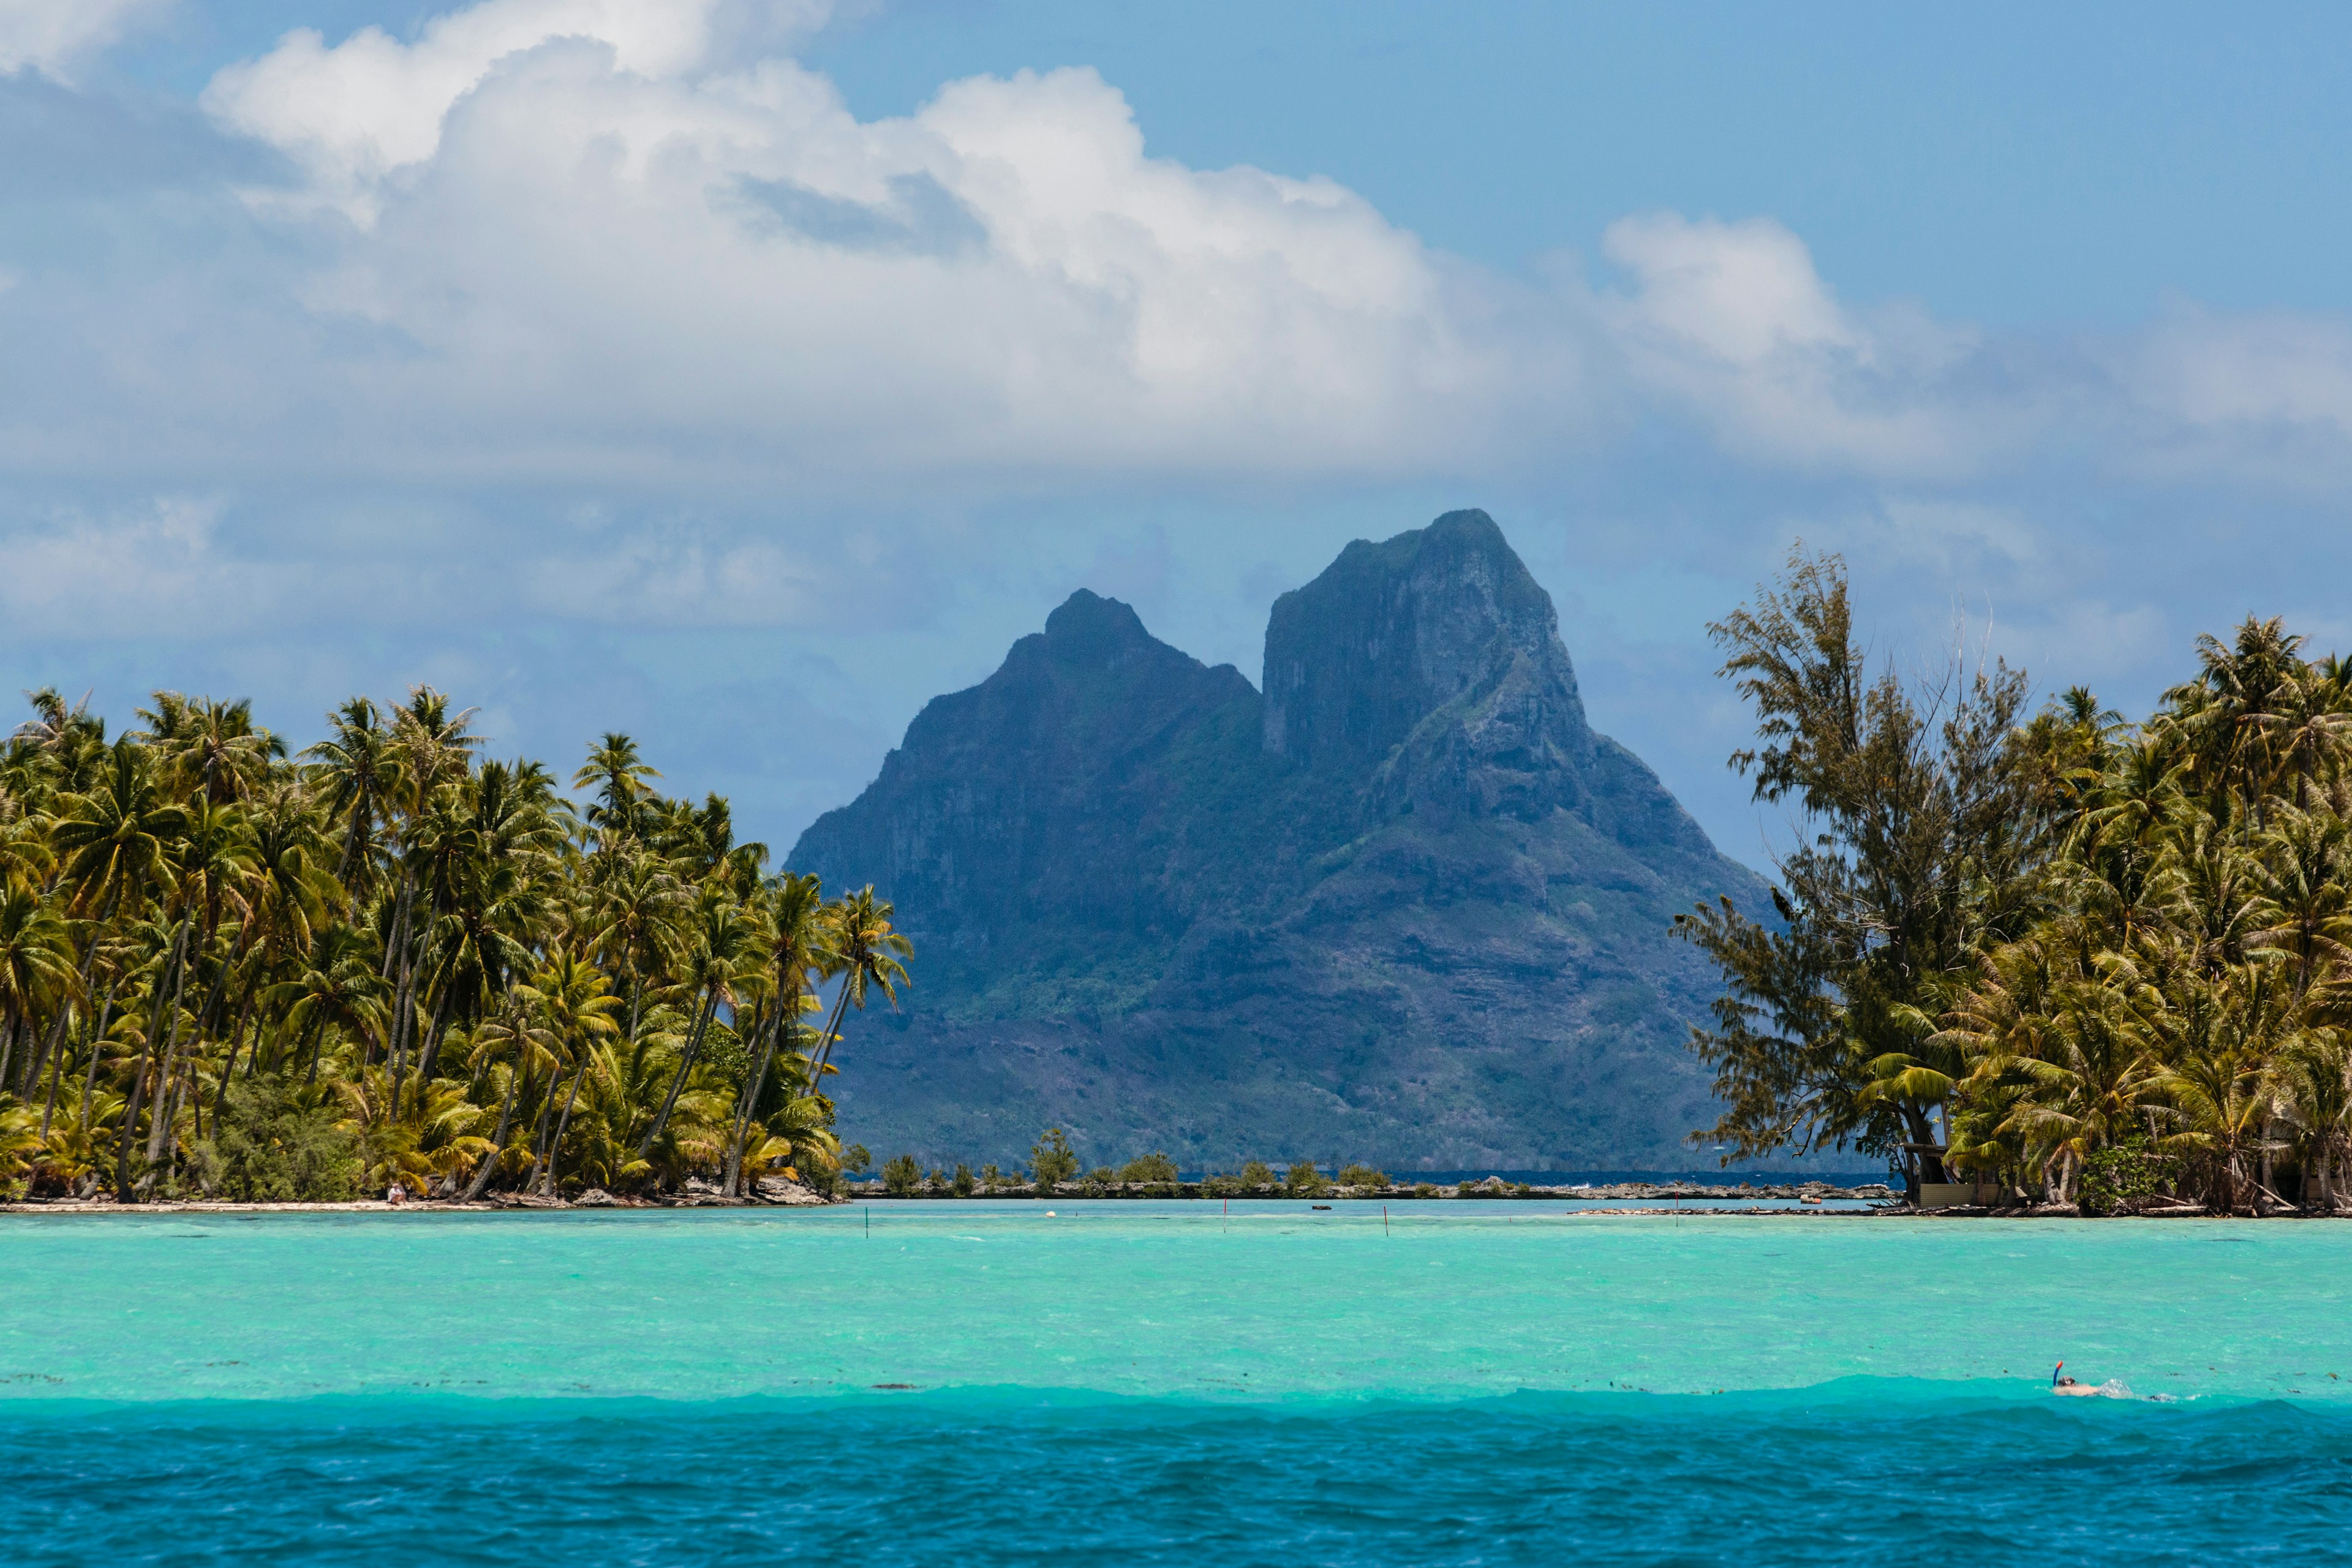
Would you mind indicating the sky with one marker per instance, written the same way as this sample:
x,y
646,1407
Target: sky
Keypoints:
x,y
742,373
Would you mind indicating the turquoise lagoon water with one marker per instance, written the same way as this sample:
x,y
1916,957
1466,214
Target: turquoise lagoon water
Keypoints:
x,y
1149,1383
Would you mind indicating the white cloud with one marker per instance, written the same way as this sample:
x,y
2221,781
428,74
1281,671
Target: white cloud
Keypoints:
x,y
151,572
56,38
1732,321
599,252
2254,394
598,242
358,114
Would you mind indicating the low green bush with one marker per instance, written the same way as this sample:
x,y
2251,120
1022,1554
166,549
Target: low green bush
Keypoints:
x,y
1154,1167
276,1142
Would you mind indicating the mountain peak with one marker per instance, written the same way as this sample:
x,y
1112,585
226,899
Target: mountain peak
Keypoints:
x,y
1441,622
1086,625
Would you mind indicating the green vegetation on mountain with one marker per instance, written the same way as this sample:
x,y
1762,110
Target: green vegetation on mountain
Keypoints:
x,y
228,972
2087,960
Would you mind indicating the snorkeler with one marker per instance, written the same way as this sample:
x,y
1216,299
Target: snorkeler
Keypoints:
x,y
2065,1384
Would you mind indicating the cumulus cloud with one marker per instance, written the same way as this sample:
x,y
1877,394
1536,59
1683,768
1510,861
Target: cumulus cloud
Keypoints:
x,y
1732,321
584,236
57,38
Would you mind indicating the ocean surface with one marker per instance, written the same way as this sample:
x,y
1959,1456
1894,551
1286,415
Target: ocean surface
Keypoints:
x,y
1453,1381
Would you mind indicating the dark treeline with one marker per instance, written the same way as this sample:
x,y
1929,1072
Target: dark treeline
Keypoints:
x,y
389,960
2087,961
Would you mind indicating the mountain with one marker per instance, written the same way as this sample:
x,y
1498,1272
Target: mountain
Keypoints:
x,y
1403,905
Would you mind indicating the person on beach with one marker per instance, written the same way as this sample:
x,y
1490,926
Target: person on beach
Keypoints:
x,y
399,1195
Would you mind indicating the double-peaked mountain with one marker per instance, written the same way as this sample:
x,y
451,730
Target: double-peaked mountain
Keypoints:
x,y
1402,905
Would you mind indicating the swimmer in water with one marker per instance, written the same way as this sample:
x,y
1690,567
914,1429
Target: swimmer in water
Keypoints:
x,y
2059,1385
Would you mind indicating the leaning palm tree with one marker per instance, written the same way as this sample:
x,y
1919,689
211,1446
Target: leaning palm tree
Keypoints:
x,y
722,942
798,934
867,951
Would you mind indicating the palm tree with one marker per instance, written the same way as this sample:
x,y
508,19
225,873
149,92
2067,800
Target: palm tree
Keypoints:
x,y
867,953
36,970
576,1000
797,933
618,775
338,988
115,839
517,1032
211,750
360,776
722,939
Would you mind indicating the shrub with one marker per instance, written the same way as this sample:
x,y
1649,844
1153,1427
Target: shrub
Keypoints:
x,y
2125,1171
901,1176
1303,1177
1257,1174
1102,1175
991,1176
1050,1160
1364,1176
1152,1167
1425,1190
963,1181
276,1143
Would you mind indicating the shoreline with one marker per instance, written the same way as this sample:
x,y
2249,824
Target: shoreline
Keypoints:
x,y
1633,1199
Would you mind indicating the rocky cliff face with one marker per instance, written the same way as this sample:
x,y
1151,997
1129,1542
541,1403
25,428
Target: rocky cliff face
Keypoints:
x,y
1406,906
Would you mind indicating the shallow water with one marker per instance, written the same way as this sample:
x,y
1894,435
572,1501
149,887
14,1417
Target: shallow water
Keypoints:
x,y
1145,1382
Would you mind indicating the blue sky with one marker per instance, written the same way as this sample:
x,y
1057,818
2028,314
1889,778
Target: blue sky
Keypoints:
x,y
742,374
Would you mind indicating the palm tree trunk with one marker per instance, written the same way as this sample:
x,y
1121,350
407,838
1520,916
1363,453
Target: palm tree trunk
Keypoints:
x,y
685,1065
758,1086
481,1182
236,1044
58,1063
317,1049
159,1129
831,1033
89,1077
431,1056
538,1138
139,1079
555,1148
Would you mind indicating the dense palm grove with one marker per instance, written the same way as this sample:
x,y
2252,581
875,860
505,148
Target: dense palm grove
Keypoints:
x,y
390,960
2086,960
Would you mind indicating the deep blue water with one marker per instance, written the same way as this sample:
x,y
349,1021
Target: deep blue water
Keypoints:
x,y
1141,1383
1858,1471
